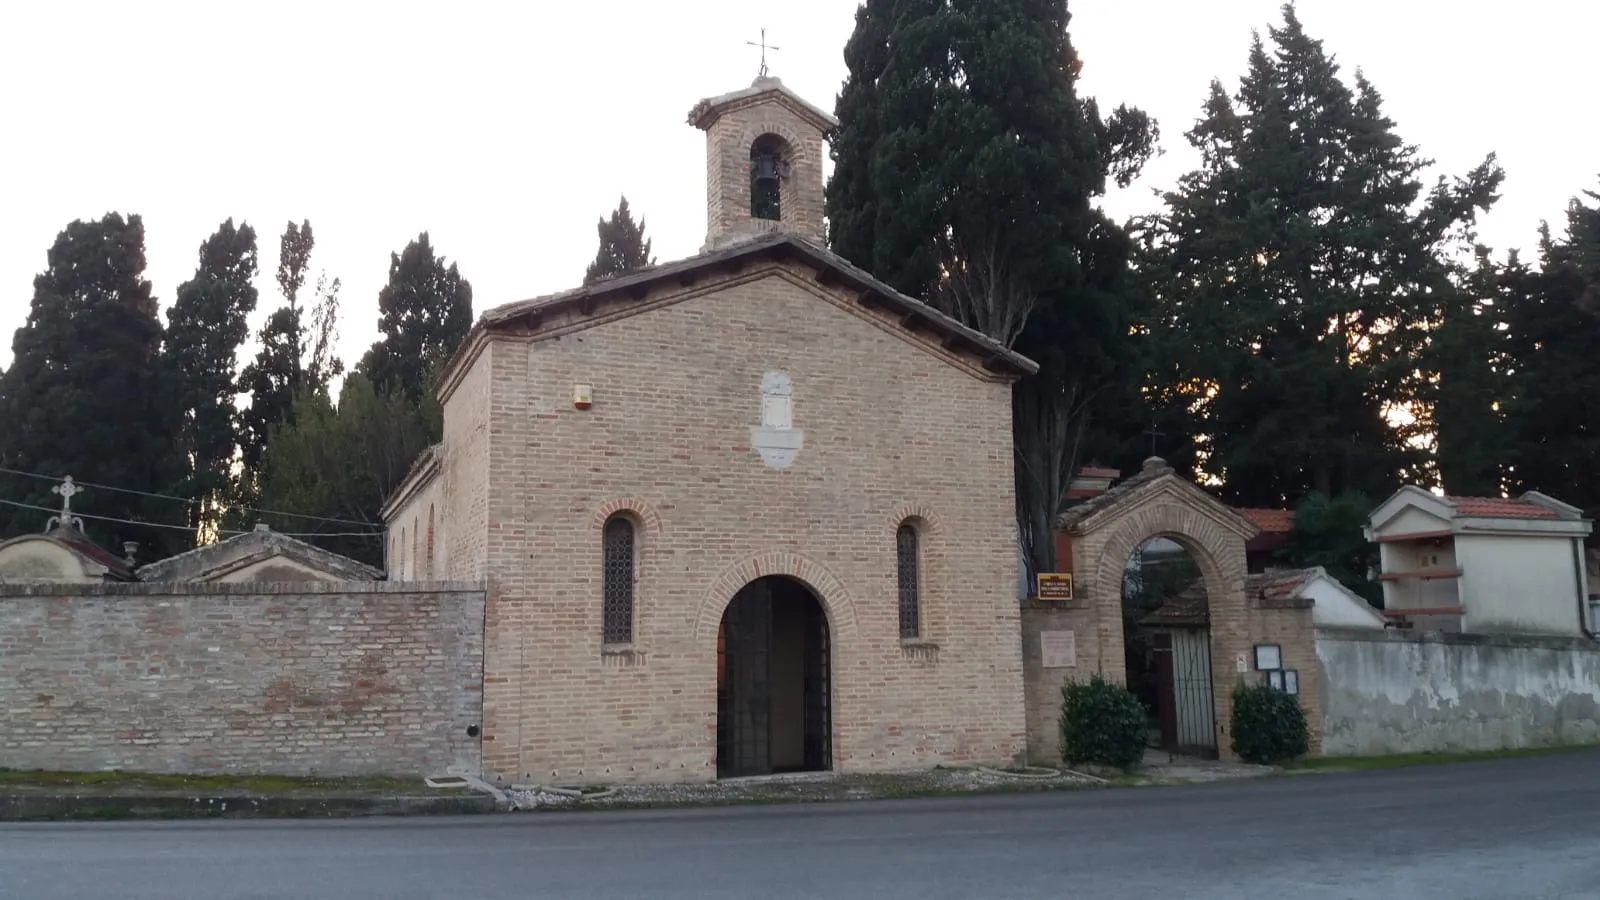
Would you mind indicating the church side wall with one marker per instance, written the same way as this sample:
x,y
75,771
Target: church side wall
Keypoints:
x,y
331,679
409,556
888,431
466,475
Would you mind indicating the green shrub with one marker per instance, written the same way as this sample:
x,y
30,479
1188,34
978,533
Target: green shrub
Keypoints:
x,y
1102,723
1268,725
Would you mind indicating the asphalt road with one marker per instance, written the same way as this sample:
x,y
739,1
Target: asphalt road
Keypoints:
x,y
1527,828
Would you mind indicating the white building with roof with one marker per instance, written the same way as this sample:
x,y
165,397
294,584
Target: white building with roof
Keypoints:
x,y
1483,564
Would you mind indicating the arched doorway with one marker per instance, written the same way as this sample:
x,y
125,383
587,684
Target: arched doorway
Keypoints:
x,y
1166,622
774,691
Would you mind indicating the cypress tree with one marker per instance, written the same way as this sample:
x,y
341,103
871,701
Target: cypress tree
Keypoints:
x,y
83,396
1302,268
623,246
965,170
205,329
276,376
1553,410
425,312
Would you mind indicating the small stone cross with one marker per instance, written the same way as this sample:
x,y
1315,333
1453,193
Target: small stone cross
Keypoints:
x,y
67,489
764,48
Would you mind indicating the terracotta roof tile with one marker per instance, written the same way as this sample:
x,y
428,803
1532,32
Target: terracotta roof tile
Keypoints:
x,y
1186,608
1500,508
1095,472
1282,585
1189,607
1153,469
1271,521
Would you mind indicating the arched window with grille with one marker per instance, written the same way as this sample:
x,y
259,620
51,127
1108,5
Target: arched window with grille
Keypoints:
x,y
617,543
907,560
428,566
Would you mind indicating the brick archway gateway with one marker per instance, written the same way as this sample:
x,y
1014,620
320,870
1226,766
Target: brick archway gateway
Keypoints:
x,y
1099,535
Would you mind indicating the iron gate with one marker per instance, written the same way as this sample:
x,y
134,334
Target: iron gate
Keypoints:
x,y
1192,693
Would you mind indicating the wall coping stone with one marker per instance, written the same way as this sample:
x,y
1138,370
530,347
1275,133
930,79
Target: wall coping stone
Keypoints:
x,y
1517,641
236,589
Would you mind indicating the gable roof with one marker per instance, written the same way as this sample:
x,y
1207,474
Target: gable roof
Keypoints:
x,y
1285,584
215,560
72,539
1530,510
1154,472
1189,607
830,269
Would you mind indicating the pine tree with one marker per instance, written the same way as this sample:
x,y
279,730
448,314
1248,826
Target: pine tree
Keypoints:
x,y
1553,410
1302,268
425,312
83,396
623,246
205,329
965,169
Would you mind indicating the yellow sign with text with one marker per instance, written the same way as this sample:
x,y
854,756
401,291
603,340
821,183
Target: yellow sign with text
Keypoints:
x,y
1055,585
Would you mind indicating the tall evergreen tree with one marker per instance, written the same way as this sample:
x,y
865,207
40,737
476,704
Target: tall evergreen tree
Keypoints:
x,y
1328,532
1303,266
1553,411
276,376
1467,354
342,462
623,246
424,313
966,166
205,328
83,396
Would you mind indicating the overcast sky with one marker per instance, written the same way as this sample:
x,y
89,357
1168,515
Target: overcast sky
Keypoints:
x,y
506,129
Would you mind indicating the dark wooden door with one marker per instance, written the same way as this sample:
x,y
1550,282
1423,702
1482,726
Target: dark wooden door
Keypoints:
x,y
744,702
1166,698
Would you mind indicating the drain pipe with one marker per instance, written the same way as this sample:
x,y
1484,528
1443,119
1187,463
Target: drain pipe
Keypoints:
x,y
1583,599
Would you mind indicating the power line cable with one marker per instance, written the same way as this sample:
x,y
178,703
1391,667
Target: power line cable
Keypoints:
x,y
79,515
188,500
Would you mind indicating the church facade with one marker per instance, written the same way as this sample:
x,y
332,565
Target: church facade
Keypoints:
x,y
744,513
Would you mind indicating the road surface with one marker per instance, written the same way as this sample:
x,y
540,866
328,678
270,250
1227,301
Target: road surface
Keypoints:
x,y
1515,828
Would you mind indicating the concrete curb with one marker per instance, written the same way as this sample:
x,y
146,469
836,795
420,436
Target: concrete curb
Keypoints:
x,y
91,807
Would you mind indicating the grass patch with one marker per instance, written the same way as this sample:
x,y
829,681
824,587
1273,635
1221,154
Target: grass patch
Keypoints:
x,y
250,784
1407,760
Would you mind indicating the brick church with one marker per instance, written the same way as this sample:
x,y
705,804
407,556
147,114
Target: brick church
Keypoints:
x,y
742,513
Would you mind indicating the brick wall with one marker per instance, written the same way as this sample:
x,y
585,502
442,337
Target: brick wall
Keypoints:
x,y
1287,623
325,679
1043,686
728,145
1215,539
892,428
465,502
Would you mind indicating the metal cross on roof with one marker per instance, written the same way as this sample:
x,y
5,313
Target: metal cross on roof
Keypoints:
x,y
1154,433
67,490
764,48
